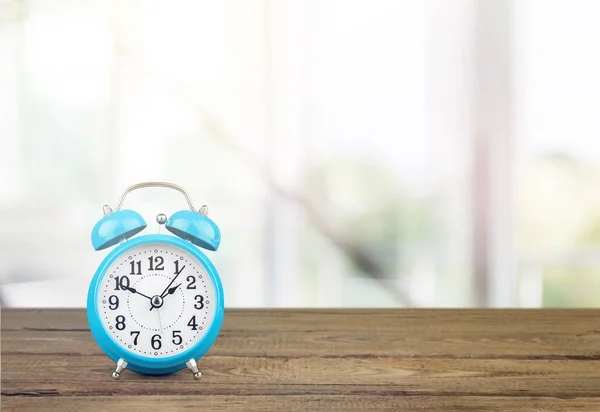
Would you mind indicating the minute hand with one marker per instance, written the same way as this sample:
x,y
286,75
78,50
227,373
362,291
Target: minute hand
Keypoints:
x,y
133,290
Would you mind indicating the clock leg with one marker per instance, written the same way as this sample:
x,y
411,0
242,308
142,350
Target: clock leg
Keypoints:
x,y
193,366
121,365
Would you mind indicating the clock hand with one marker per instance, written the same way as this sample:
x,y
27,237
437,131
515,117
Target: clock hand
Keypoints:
x,y
134,290
171,290
177,272
169,285
159,322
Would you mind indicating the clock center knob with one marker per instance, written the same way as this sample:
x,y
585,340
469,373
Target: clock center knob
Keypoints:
x,y
157,301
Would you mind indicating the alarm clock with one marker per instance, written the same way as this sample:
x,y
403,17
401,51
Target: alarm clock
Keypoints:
x,y
155,304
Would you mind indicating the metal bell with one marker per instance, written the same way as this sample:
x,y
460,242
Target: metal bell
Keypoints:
x,y
115,227
195,227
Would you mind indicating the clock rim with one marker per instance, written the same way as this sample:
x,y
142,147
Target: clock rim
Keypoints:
x,y
142,364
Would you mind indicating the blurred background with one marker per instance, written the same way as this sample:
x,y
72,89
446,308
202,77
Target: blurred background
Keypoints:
x,y
354,153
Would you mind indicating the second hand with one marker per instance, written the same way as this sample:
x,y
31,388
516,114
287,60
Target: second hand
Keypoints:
x,y
159,322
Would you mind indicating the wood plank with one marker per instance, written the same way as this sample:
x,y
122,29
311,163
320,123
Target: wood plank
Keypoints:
x,y
526,334
295,403
346,344
334,320
322,359
226,375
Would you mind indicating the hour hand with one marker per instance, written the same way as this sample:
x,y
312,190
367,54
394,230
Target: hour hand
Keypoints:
x,y
157,301
172,290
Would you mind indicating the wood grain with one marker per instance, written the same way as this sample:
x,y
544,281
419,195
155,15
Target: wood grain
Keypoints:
x,y
296,403
263,360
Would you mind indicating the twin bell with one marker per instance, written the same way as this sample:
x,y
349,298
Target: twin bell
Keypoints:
x,y
119,225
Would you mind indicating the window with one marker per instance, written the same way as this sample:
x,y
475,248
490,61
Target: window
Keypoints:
x,y
354,153
557,84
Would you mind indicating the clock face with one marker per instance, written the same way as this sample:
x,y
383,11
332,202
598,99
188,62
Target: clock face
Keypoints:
x,y
156,300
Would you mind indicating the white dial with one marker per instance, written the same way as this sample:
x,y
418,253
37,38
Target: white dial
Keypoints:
x,y
156,300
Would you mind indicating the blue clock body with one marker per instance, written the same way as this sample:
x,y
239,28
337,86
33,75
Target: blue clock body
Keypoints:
x,y
189,230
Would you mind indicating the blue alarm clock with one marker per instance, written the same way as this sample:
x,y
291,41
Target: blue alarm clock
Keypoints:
x,y
155,304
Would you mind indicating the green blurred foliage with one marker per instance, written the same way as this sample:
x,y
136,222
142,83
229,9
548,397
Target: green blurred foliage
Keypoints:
x,y
558,217
371,206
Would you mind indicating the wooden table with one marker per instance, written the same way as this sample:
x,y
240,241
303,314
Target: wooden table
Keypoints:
x,y
281,360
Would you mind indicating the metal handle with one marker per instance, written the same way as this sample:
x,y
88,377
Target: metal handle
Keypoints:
x,y
107,209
